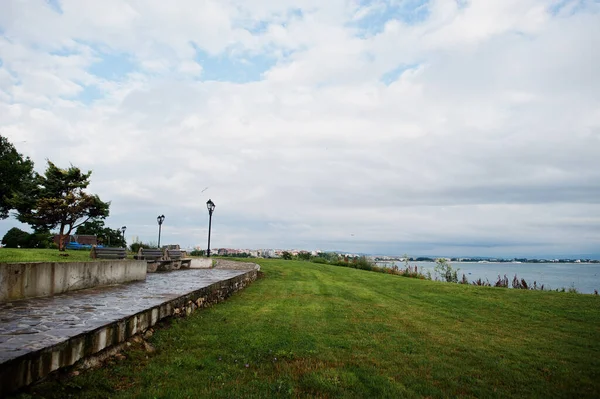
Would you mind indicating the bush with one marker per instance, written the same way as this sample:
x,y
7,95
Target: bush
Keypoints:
x,y
519,284
502,282
198,252
304,255
135,247
341,263
482,283
330,257
40,240
364,264
240,255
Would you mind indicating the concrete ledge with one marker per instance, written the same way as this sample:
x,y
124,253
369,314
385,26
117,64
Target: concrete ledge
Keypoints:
x,y
235,265
38,279
201,263
33,366
212,263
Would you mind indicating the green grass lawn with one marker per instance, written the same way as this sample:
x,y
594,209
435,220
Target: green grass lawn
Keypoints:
x,y
43,255
309,330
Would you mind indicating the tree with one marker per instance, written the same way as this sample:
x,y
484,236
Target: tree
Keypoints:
x,y
406,260
446,271
15,238
105,235
58,199
16,173
91,227
286,255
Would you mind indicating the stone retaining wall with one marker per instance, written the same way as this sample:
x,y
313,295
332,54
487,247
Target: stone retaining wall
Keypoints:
x,y
38,279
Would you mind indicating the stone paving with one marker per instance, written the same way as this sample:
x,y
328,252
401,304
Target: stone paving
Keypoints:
x,y
32,324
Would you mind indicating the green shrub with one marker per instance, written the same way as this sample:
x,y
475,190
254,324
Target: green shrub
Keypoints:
x,y
40,240
364,264
304,255
330,257
135,247
341,263
240,255
412,272
198,252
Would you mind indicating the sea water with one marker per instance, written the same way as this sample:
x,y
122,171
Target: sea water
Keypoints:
x,y
585,277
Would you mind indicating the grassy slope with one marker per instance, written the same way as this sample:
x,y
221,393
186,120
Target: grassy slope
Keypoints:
x,y
317,330
43,255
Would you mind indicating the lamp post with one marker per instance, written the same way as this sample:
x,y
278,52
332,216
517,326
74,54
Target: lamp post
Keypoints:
x,y
211,207
123,233
160,219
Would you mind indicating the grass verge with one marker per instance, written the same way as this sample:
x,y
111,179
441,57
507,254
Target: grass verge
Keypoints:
x,y
9,255
311,330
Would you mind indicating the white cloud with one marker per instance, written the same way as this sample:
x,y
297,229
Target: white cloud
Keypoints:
x,y
485,142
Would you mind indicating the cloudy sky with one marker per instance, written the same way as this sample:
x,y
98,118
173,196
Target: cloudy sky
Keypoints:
x,y
441,127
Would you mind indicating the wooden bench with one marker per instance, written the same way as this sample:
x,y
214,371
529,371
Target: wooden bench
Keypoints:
x,y
108,253
156,259
150,254
177,255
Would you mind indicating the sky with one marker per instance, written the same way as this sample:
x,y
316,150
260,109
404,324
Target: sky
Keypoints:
x,y
441,127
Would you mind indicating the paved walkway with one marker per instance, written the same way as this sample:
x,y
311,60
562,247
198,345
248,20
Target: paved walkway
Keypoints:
x,y
32,324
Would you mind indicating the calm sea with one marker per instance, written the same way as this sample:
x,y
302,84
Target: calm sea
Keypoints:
x,y
583,276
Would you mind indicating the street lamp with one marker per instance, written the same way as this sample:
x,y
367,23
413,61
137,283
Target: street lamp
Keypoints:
x,y
160,219
211,207
123,232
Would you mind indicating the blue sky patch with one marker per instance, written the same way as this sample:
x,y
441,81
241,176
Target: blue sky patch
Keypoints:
x,y
579,5
55,5
113,66
64,52
410,12
89,94
393,75
295,13
258,27
239,69
462,4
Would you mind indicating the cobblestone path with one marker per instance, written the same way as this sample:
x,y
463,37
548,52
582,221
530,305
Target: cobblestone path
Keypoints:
x,y
32,324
